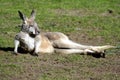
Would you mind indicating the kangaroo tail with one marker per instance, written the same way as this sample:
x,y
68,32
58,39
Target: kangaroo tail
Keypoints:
x,y
102,48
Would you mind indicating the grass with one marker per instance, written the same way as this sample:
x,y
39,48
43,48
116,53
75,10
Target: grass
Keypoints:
x,y
86,21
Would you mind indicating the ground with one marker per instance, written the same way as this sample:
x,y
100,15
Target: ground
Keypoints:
x,y
59,66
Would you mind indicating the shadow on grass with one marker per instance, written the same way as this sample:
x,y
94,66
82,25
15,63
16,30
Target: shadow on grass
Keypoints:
x,y
11,49
96,55
22,51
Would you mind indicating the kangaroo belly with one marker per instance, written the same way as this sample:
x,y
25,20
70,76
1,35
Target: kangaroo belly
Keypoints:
x,y
46,46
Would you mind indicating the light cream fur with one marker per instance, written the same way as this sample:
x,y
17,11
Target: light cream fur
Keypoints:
x,y
50,42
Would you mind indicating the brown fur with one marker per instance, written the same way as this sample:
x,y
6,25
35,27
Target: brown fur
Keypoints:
x,y
51,42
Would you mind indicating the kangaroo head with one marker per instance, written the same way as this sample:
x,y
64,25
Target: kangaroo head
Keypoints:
x,y
29,25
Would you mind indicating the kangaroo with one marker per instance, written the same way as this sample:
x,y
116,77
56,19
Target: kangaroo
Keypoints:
x,y
31,39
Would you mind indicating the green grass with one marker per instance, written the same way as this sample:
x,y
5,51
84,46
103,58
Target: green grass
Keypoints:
x,y
92,18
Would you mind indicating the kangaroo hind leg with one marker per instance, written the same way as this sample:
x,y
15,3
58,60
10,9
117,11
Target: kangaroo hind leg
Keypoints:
x,y
68,44
73,51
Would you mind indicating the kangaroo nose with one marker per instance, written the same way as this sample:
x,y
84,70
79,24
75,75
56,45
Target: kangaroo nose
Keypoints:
x,y
38,32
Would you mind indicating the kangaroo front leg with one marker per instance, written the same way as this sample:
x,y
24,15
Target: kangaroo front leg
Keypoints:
x,y
37,46
16,42
36,50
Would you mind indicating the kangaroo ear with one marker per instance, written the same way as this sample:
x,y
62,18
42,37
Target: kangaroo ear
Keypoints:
x,y
33,13
22,16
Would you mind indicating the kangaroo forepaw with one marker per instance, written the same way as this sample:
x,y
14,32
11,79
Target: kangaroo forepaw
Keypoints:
x,y
34,54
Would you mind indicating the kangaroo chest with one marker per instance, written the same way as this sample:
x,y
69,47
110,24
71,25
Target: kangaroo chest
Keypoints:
x,y
28,42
